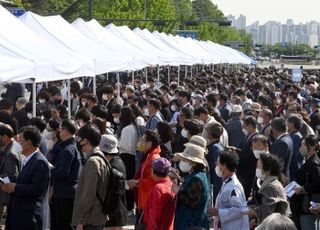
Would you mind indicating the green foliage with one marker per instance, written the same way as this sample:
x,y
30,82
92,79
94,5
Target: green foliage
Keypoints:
x,y
291,49
173,11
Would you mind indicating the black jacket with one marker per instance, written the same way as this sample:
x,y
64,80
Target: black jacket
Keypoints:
x,y
22,118
65,173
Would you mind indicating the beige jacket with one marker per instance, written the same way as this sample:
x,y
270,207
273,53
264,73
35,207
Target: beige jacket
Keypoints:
x,y
87,209
273,199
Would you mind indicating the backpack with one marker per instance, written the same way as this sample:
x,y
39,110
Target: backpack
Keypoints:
x,y
115,189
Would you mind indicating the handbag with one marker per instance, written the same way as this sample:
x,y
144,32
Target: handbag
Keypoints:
x,y
140,225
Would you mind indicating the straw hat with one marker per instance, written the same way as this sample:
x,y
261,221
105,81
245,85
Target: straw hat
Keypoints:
x,y
193,153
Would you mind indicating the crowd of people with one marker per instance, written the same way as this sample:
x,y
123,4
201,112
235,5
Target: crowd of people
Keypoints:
x,y
214,151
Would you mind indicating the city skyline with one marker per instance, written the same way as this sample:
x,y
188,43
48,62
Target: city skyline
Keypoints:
x,y
272,32
271,10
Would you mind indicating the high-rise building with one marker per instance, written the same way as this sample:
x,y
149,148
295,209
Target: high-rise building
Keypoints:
x,y
274,32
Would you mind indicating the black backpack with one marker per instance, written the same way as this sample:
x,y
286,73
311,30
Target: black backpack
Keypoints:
x,y
115,189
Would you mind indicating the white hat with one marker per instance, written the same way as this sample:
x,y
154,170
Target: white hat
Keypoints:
x,y
237,109
109,144
193,153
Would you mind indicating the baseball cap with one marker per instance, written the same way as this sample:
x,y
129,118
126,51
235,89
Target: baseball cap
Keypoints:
x,y
161,165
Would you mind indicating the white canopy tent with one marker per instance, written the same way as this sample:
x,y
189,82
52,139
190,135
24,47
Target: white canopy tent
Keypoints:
x,y
124,33
99,34
16,40
184,59
60,33
10,72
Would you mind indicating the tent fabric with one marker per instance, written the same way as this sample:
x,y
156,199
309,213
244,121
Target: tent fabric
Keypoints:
x,y
10,72
60,33
50,49
16,40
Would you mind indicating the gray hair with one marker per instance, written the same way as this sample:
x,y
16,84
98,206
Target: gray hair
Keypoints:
x,y
276,221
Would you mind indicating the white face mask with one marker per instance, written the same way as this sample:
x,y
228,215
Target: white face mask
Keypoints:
x,y
173,108
304,151
218,171
105,97
245,132
83,103
125,95
116,120
146,112
260,175
185,166
257,153
260,120
41,101
184,133
29,115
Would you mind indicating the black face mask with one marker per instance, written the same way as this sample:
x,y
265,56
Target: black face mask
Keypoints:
x,y
79,146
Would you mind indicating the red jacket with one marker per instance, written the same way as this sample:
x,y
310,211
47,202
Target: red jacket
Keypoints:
x,y
146,181
160,206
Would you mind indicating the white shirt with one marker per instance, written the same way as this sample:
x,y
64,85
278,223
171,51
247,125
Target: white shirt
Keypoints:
x,y
25,160
232,205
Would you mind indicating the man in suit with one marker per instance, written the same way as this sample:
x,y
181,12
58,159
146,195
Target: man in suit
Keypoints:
x,y
315,109
6,108
294,125
25,209
10,162
247,165
283,145
234,127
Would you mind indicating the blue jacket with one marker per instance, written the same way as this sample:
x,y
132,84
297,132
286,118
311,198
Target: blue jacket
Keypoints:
x,y
234,129
65,173
25,207
212,157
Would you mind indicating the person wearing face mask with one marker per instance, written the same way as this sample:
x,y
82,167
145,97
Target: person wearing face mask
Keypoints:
x,y
247,163
64,176
231,208
234,127
31,186
260,145
283,145
294,125
203,115
271,196
11,162
94,177
308,177
82,117
214,149
194,194
149,145
109,101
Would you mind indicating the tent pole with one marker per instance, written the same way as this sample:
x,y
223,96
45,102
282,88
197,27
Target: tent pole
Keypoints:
x,y
94,85
34,98
158,74
69,99
107,76
133,78
179,75
118,79
146,74
185,71
169,75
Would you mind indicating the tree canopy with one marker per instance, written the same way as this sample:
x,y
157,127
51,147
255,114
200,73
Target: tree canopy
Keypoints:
x,y
175,12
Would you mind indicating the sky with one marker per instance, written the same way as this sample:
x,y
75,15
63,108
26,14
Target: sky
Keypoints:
x,y
300,11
